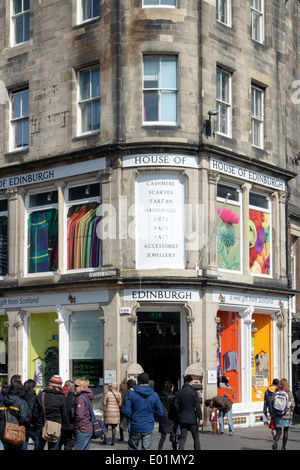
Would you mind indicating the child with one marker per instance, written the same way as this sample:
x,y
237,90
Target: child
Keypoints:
x,y
213,418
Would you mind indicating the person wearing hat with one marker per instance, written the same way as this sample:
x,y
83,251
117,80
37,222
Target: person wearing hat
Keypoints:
x,y
55,410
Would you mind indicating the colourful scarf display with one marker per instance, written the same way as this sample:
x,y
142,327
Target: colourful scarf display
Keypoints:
x,y
43,241
83,244
3,246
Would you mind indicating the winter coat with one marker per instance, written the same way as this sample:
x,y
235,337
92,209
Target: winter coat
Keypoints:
x,y
69,419
222,403
112,401
83,419
55,408
268,399
166,424
187,405
289,413
16,411
142,407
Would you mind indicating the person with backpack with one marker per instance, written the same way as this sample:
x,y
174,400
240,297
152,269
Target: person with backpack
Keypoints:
x,y
282,406
83,428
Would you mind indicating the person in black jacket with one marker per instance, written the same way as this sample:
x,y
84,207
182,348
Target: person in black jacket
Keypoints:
x,y
67,439
30,398
16,411
187,405
55,407
167,424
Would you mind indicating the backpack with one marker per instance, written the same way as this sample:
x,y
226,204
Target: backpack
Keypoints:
x,y
281,402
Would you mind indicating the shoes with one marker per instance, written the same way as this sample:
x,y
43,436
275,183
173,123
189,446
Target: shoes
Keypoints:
x,y
231,434
274,446
104,443
112,444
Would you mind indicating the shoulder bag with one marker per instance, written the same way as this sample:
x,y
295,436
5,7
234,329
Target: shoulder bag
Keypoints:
x,y
99,428
14,434
51,429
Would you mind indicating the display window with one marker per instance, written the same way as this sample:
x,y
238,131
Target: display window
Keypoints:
x,y
43,360
86,351
3,349
261,345
229,236
260,234
3,237
83,242
42,243
228,356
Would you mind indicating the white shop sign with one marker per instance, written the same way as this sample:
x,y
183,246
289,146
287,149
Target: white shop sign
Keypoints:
x,y
56,173
160,221
247,174
144,159
44,300
231,298
161,295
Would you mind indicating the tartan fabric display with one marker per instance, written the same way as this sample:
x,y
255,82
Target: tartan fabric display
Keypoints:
x,y
83,242
3,246
43,241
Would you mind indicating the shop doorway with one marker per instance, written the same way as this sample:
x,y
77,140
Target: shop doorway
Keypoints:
x,y
158,346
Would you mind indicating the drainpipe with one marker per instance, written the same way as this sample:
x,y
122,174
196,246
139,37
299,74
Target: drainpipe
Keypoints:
x,y
118,68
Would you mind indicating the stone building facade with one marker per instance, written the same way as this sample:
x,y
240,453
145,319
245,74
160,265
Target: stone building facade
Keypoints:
x,y
147,154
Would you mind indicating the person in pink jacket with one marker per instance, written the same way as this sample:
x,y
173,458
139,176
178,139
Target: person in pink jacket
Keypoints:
x,y
83,428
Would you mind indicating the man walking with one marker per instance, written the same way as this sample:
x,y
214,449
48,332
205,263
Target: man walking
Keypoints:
x,y
142,407
187,405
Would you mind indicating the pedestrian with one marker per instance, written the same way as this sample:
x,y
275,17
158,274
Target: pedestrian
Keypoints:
x,y
122,426
189,412
167,425
1,406
296,415
213,418
30,398
67,439
130,387
55,410
224,407
142,407
268,398
112,402
16,412
83,429
282,405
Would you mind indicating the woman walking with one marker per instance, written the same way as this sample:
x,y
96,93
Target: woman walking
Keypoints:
x,y
283,405
112,401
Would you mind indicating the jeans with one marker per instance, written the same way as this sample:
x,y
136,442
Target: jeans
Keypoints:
x,y
221,420
82,441
184,428
135,437
40,442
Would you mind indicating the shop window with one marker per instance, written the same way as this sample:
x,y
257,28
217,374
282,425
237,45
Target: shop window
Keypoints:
x,y
3,349
3,237
259,234
86,351
229,228
42,243
229,356
83,242
261,346
43,352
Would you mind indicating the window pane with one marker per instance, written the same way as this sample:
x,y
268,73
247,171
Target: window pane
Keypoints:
x,y
26,27
82,192
16,105
95,118
96,8
151,106
151,71
169,73
43,241
222,119
3,245
85,84
26,5
168,107
258,200
151,2
95,77
17,6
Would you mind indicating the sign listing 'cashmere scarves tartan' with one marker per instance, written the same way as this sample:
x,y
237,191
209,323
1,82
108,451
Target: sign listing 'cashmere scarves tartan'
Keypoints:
x,y
43,241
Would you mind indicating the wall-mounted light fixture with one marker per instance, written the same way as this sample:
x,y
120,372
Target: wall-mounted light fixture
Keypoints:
x,y
207,122
296,159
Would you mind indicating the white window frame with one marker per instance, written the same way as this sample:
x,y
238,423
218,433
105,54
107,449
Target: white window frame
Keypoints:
x,y
159,4
267,210
80,10
29,210
257,18
75,202
14,121
90,100
223,12
222,103
257,117
17,17
160,90
4,213
239,204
